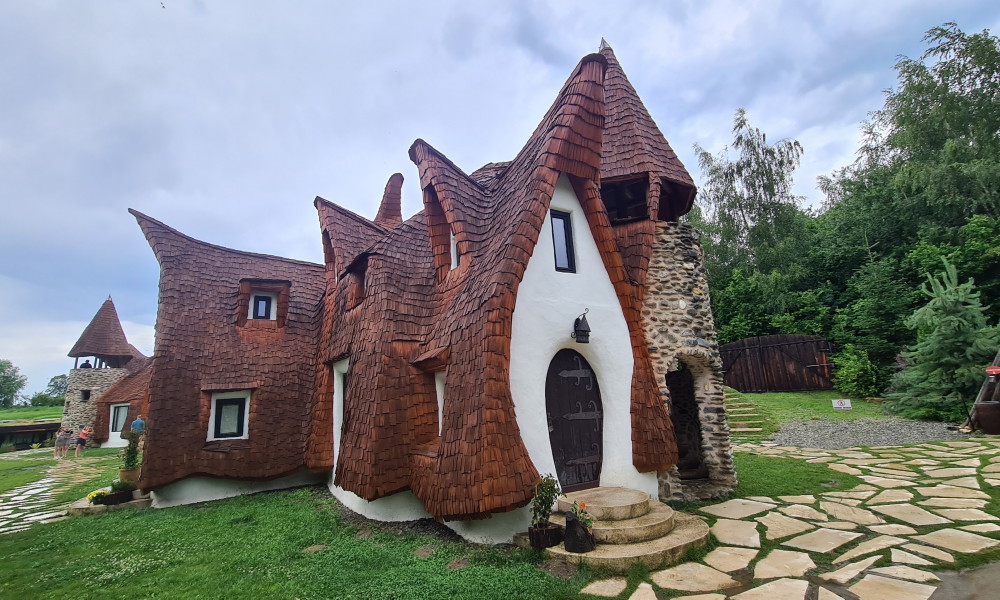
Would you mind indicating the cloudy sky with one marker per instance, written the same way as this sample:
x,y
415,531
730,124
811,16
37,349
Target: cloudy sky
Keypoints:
x,y
224,119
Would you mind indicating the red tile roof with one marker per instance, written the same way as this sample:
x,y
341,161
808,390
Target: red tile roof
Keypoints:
x,y
103,337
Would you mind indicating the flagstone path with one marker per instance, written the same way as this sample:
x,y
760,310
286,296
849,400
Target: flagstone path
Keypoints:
x,y
33,503
921,506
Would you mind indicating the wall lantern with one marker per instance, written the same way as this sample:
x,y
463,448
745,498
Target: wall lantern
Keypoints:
x,y
581,329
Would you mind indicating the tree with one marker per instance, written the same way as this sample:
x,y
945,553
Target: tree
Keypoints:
x,y
11,383
944,370
57,386
45,399
750,216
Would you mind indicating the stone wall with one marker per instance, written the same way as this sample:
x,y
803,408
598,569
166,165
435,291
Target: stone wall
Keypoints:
x,y
677,316
79,413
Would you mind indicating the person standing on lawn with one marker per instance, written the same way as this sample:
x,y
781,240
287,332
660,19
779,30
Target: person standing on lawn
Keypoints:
x,y
62,443
81,441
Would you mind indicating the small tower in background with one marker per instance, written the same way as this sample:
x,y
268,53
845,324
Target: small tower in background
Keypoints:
x,y
105,354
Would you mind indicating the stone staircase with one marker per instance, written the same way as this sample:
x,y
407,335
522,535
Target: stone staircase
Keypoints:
x,y
743,416
630,528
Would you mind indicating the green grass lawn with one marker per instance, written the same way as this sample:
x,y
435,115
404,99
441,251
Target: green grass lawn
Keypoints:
x,y
30,413
777,408
252,547
109,464
15,472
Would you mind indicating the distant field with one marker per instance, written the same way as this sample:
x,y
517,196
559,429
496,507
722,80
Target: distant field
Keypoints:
x,y
30,413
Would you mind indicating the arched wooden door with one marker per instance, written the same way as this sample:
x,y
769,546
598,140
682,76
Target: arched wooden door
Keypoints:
x,y
576,420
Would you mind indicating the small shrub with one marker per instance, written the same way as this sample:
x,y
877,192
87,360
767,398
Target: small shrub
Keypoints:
x,y
546,493
855,375
580,510
130,454
119,485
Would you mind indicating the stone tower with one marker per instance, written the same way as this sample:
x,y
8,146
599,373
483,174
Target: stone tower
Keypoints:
x,y
106,355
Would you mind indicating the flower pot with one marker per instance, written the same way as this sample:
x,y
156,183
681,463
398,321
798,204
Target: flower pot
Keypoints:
x,y
988,416
545,536
116,498
129,474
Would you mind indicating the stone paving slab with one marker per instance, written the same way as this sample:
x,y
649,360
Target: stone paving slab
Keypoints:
x,y
822,540
844,512
781,589
876,587
609,588
779,526
783,563
849,571
693,577
737,509
905,572
736,533
956,540
729,559
930,551
880,543
903,557
801,511
908,513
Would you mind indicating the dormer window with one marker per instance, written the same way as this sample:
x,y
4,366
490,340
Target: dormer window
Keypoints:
x,y
625,200
562,241
356,282
263,305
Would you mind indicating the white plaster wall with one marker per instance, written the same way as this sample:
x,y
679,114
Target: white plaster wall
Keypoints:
x,y
204,489
402,506
547,304
115,439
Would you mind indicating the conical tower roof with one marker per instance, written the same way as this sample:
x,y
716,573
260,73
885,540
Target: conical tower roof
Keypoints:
x,y
632,142
104,337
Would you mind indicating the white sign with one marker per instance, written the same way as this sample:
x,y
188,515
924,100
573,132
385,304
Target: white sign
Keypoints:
x,y
842,404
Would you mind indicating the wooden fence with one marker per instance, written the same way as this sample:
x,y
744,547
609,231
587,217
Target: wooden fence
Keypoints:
x,y
777,363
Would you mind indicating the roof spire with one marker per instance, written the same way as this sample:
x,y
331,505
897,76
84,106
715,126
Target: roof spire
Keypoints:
x,y
604,45
104,337
390,213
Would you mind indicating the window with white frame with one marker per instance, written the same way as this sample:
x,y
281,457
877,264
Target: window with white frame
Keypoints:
x,y
263,305
229,415
118,414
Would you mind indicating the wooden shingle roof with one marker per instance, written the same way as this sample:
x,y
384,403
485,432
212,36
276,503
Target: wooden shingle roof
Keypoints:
x,y
204,345
419,315
103,336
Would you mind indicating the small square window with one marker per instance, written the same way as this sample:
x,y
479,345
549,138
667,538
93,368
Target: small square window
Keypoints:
x,y
84,395
562,241
228,420
262,305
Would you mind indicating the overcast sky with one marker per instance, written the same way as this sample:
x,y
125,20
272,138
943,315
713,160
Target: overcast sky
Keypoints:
x,y
224,119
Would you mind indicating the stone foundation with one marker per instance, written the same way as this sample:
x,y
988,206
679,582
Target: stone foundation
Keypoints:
x,y
79,413
677,317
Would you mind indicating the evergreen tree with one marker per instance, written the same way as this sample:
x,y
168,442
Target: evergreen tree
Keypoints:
x,y
944,370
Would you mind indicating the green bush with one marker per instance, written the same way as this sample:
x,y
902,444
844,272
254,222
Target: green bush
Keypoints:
x,y
855,374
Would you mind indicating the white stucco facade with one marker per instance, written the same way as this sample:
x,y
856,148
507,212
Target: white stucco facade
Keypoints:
x,y
204,489
547,304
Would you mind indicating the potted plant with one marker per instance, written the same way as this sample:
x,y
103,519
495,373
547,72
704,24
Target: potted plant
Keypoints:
x,y
121,491
130,457
543,533
579,535
97,496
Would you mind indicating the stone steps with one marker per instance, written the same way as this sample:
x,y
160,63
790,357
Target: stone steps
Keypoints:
x,y
630,529
656,523
689,532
